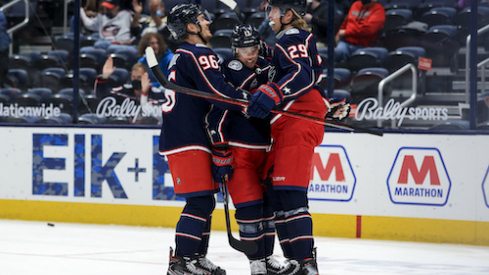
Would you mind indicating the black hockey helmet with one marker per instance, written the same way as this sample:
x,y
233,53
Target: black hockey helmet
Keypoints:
x,y
300,6
244,36
182,14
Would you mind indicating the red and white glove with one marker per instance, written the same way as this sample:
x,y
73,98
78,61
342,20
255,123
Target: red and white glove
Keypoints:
x,y
338,108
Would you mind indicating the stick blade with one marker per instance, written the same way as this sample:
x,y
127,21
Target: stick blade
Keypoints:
x,y
230,3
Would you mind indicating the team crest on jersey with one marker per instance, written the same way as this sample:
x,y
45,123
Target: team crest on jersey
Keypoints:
x,y
271,73
292,31
235,65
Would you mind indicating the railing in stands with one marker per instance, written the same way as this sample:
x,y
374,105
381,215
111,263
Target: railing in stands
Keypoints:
x,y
467,62
393,76
482,66
20,24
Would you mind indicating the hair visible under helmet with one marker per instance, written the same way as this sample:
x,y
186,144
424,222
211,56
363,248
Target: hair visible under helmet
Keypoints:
x,y
298,7
183,14
244,36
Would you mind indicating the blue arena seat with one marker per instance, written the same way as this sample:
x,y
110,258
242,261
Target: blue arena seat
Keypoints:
x,y
28,100
10,93
439,16
20,78
452,125
365,83
367,57
50,78
221,38
397,17
402,56
226,21
44,94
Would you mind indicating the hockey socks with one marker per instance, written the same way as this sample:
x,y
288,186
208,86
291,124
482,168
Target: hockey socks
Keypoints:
x,y
193,222
249,219
293,223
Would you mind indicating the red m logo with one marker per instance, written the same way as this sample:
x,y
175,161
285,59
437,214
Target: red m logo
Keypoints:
x,y
325,172
428,165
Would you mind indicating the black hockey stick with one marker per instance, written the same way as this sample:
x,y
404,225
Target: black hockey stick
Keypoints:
x,y
246,247
155,68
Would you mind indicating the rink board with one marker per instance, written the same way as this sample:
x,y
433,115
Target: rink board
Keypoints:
x,y
414,187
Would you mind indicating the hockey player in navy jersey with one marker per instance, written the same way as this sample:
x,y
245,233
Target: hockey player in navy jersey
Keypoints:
x,y
248,139
184,139
296,70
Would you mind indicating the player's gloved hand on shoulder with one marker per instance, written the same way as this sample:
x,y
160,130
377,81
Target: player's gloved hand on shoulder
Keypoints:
x,y
266,97
338,108
222,164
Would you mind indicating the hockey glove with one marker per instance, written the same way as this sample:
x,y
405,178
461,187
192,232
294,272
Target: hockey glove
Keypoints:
x,y
264,99
338,108
222,164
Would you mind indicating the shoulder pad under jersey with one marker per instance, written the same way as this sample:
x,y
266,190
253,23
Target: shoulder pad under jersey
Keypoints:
x,y
292,31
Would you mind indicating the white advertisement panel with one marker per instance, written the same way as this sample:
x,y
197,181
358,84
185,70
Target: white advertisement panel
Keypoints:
x,y
397,175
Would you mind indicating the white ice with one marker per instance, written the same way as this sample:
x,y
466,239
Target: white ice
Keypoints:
x,y
35,248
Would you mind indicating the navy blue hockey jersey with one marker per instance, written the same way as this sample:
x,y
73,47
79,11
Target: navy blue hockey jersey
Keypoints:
x,y
227,126
184,116
296,64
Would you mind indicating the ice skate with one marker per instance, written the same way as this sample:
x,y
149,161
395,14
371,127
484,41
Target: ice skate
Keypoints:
x,y
207,267
291,267
258,267
182,266
273,266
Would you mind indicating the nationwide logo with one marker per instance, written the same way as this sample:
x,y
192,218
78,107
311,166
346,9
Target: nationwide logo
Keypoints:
x,y
485,188
419,176
332,176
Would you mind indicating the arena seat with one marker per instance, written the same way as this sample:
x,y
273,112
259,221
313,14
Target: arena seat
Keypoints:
x,y
439,16
452,125
221,38
20,78
367,57
226,21
118,77
365,83
342,78
50,78
43,93
402,56
28,100
10,93
397,17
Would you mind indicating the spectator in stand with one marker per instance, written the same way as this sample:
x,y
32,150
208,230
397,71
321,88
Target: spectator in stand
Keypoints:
x,y
360,28
265,30
317,18
140,90
164,55
5,41
113,24
156,22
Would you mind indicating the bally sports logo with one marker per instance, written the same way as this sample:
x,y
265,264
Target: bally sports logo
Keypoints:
x,y
332,176
419,176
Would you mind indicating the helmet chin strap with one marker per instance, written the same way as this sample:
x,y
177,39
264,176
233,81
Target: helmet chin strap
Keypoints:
x,y
282,25
199,34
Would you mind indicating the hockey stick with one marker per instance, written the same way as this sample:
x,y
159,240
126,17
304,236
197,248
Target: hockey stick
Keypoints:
x,y
246,247
235,8
155,68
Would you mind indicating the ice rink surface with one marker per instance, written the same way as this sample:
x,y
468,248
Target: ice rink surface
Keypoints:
x,y
35,248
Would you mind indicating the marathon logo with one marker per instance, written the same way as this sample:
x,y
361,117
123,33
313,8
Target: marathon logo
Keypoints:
x,y
419,176
332,176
